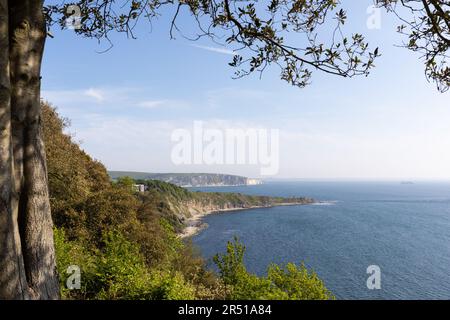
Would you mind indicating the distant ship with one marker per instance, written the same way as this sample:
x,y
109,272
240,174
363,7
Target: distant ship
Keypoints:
x,y
406,182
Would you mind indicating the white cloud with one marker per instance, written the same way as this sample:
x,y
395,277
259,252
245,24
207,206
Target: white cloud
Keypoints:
x,y
215,49
116,98
96,94
80,96
151,104
235,96
126,143
166,103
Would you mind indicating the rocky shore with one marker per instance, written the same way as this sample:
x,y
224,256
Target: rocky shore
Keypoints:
x,y
195,224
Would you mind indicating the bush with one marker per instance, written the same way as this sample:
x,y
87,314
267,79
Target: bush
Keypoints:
x,y
298,283
282,283
124,274
171,286
118,271
70,253
121,271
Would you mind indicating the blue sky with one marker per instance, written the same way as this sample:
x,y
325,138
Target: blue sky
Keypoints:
x,y
125,103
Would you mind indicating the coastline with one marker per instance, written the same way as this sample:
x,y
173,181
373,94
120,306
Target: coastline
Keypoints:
x,y
220,185
194,224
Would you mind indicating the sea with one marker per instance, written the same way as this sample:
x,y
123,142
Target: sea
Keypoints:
x,y
403,229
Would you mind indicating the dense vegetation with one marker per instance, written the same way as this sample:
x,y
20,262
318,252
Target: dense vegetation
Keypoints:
x,y
126,243
290,282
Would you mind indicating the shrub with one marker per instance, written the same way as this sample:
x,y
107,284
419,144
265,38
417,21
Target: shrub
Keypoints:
x,y
298,283
289,282
171,286
70,253
121,271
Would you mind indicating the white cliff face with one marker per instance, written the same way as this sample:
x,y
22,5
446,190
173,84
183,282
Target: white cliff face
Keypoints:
x,y
252,182
191,179
208,180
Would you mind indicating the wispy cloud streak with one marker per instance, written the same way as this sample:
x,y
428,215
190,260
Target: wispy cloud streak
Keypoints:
x,y
215,49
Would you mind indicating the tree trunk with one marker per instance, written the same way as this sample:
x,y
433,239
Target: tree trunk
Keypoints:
x,y
28,236
13,283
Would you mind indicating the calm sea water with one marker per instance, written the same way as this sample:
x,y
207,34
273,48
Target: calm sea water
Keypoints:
x,y
402,228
